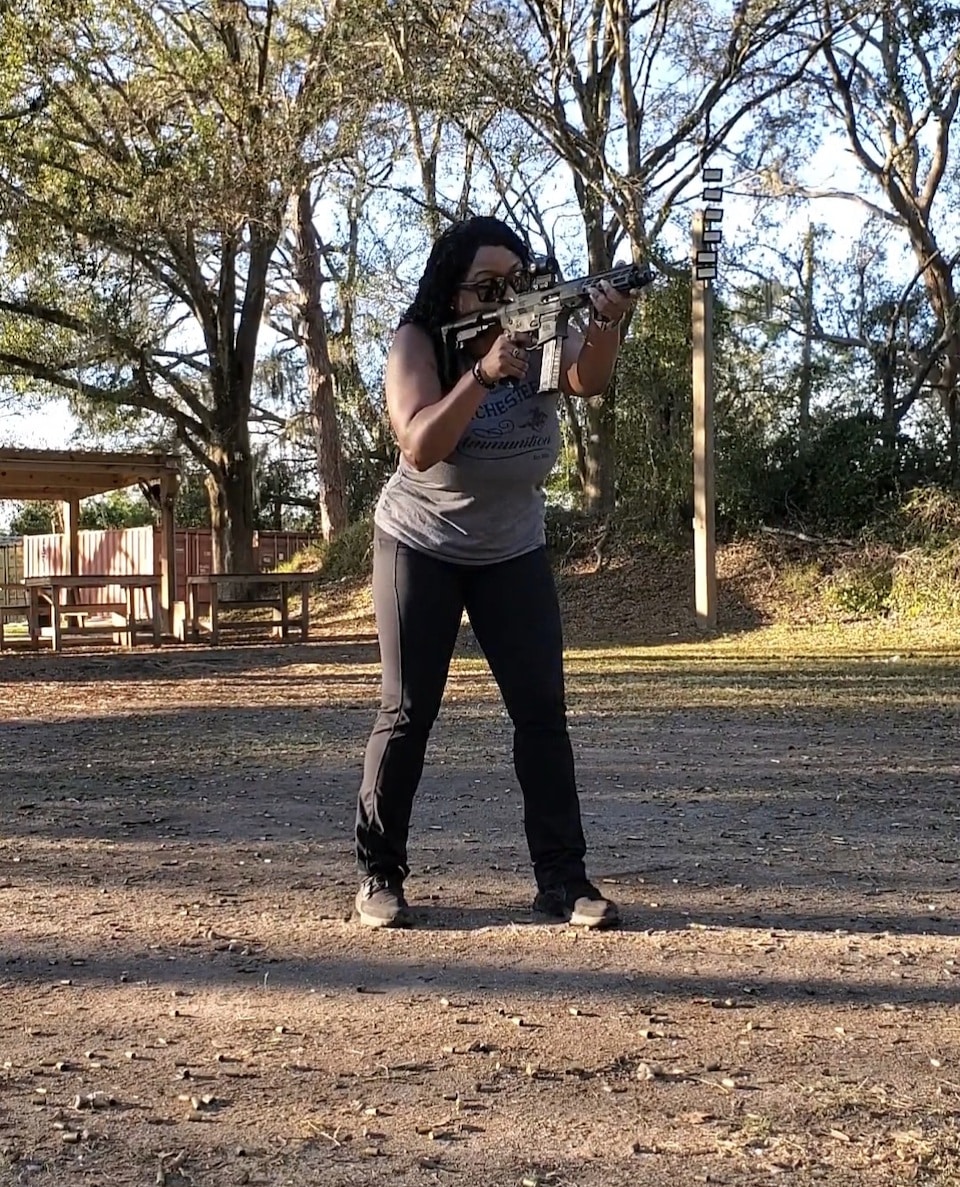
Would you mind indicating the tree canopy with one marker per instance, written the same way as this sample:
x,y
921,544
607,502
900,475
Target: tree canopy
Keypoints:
x,y
211,215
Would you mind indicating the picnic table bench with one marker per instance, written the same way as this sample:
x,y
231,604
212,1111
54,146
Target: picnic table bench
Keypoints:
x,y
12,610
261,591
50,588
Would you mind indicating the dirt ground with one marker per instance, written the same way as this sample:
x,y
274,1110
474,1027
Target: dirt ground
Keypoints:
x,y
185,999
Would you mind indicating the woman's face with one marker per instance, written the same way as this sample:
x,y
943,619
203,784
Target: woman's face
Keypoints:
x,y
487,281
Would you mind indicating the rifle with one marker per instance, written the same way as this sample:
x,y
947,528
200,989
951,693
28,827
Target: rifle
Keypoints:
x,y
543,309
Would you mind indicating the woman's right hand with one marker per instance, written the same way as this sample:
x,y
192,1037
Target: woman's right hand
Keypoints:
x,y
506,359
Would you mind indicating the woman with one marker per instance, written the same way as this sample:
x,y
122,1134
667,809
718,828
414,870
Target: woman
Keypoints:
x,y
461,525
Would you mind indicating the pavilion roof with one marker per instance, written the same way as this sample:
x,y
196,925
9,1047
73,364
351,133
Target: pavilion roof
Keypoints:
x,y
65,474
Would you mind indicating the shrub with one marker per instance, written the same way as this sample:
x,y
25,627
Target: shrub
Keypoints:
x,y
927,583
348,556
862,587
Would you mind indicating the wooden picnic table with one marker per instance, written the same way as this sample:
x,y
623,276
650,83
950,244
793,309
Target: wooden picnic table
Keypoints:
x,y
285,584
51,587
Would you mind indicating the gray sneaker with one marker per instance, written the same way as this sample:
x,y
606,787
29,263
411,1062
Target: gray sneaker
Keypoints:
x,y
580,903
380,902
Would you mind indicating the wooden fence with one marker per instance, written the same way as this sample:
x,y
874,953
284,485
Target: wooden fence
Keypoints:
x,y
11,570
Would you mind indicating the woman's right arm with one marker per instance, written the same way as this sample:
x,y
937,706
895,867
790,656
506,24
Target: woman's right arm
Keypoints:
x,y
427,423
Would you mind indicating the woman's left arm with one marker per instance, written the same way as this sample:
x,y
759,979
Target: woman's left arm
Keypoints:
x,y
589,359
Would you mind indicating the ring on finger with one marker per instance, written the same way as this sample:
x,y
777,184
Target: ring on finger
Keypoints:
x,y
517,352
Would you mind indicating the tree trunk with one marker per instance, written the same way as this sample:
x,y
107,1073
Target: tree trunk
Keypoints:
x,y
230,480
806,358
953,437
320,378
576,432
949,383
600,455
600,438
230,490
887,368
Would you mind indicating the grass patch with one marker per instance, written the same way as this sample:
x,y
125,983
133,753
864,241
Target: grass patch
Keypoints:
x,y
854,669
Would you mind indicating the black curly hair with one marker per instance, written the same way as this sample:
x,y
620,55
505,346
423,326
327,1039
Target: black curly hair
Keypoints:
x,y
447,265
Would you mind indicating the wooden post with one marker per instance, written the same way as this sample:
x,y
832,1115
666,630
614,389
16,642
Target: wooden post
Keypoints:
x,y
704,496
305,611
168,551
70,510
71,533
215,613
55,609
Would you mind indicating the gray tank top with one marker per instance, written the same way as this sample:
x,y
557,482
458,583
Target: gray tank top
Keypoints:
x,y
484,503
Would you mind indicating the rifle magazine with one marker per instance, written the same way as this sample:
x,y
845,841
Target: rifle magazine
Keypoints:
x,y
550,365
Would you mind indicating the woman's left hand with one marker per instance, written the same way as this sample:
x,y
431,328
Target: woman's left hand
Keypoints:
x,y
609,306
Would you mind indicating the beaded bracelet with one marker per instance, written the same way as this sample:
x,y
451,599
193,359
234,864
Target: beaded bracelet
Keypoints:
x,y
479,376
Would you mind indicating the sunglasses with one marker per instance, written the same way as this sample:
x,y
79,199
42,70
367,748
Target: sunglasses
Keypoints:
x,y
493,290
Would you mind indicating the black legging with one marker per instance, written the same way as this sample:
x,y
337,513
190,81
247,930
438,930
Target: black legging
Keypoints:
x,y
515,616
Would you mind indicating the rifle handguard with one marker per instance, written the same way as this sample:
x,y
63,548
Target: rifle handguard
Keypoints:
x,y
544,311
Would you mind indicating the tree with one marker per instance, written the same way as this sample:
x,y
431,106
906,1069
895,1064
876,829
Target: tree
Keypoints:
x,y
632,97
887,78
654,413
144,178
118,509
32,519
321,380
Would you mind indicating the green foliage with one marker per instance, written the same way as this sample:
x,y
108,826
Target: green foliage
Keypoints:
x,y
926,582
861,589
147,162
922,532
743,478
846,476
928,517
568,531
119,509
193,502
33,519
348,556
280,486
802,581
842,477
655,426
653,411
367,471
878,580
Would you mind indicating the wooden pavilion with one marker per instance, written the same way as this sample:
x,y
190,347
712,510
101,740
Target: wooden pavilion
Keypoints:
x,y
67,476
